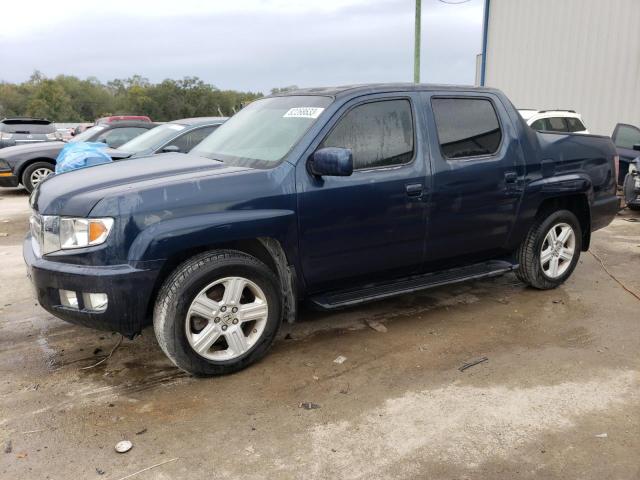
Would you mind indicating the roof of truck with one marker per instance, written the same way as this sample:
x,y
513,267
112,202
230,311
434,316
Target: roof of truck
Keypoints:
x,y
380,88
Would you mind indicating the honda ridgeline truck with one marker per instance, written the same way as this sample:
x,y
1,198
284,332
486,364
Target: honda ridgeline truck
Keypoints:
x,y
335,196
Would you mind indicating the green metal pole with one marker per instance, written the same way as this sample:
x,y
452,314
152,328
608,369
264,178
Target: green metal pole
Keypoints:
x,y
416,47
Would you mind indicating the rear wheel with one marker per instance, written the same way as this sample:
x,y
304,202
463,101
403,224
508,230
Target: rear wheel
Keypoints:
x,y
36,173
550,252
218,313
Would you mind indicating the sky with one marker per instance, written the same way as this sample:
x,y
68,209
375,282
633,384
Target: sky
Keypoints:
x,y
249,45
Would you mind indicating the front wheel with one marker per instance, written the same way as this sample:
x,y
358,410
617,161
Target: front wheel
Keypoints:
x,y
550,251
36,173
218,313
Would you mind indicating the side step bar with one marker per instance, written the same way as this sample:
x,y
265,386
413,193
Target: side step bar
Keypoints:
x,y
368,293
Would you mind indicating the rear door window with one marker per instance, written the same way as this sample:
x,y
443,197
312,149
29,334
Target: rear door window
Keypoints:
x,y
467,127
379,134
626,136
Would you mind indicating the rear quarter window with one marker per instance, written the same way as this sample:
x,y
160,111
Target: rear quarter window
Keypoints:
x,y
466,127
556,124
575,125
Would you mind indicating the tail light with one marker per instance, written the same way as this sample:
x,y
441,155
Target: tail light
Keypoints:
x,y
616,165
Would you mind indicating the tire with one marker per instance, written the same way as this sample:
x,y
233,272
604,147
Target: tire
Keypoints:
x,y
211,278
532,270
634,207
33,171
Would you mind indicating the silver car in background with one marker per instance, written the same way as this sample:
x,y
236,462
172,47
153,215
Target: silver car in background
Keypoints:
x,y
25,130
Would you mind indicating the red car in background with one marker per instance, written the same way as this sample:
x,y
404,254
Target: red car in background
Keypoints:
x,y
123,118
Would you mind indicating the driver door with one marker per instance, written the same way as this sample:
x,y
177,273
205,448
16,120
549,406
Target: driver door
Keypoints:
x,y
371,224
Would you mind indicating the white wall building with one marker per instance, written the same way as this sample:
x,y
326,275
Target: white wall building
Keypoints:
x,y
582,55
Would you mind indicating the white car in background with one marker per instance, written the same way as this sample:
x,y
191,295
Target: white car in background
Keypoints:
x,y
554,120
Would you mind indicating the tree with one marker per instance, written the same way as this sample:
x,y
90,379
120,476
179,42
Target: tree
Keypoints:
x,y
69,99
51,101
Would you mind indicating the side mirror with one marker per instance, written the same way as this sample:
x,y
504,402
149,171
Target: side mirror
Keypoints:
x,y
332,162
171,149
636,146
103,140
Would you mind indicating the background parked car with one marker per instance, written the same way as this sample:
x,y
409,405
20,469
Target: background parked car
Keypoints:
x,y
625,137
123,118
564,121
30,164
23,130
177,136
631,185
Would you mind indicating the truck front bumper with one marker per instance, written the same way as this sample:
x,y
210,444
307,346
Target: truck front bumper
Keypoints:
x,y
128,290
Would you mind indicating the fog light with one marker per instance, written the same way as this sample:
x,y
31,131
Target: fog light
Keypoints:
x,y
68,298
95,301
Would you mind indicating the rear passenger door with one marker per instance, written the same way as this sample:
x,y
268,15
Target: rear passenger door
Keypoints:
x,y
478,175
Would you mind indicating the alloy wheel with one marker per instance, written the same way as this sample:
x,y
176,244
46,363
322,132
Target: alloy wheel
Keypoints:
x,y
38,175
226,318
558,249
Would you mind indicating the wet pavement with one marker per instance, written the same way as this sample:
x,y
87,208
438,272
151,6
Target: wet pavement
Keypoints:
x,y
563,370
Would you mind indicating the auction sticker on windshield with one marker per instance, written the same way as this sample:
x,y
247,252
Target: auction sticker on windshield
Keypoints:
x,y
303,112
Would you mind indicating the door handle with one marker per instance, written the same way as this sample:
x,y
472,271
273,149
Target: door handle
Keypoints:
x,y
510,177
414,189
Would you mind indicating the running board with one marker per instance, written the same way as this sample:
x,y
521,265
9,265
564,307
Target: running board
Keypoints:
x,y
347,298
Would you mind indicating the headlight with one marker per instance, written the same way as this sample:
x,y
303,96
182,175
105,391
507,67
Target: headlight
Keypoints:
x,y
51,136
84,232
54,233
5,136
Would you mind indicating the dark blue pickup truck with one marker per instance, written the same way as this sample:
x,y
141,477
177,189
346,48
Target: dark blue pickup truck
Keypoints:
x,y
335,196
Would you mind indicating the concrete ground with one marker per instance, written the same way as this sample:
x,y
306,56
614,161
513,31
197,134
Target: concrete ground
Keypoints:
x,y
558,398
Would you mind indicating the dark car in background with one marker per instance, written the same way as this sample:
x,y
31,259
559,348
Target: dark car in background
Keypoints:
x,y
179,136
627,141
625,137
26,130
30,164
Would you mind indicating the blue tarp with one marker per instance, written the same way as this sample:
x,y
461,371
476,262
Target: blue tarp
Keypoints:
x,y
81,155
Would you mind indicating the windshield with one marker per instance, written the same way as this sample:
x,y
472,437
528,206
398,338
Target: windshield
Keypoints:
x,y
262,133
152,139
87,134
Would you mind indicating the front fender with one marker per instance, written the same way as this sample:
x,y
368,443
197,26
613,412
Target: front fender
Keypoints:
x,y
169,237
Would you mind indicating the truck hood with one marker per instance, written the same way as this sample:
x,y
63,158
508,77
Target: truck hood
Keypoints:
x,y
76,193
45,149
